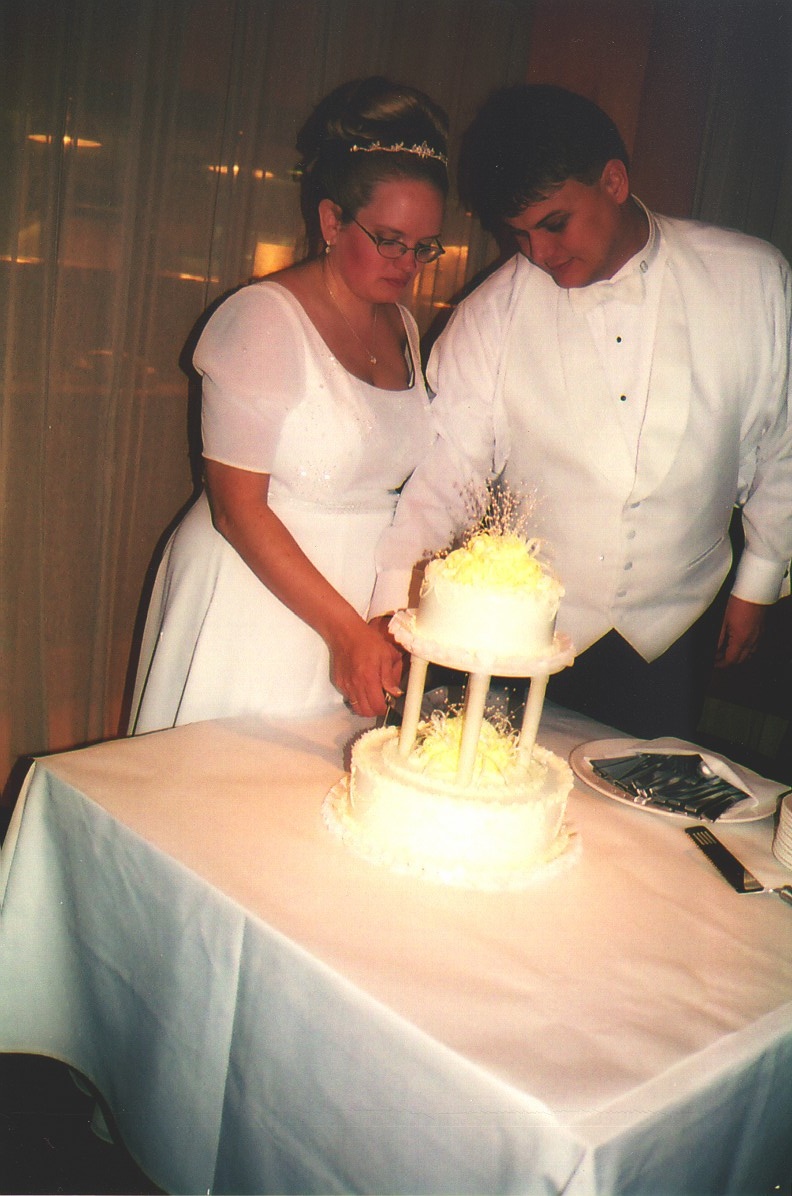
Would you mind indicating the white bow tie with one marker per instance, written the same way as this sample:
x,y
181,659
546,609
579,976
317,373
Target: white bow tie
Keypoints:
x,y
629,289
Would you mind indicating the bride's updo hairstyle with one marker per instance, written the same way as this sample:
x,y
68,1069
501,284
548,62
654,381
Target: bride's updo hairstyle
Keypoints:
x,y
364,133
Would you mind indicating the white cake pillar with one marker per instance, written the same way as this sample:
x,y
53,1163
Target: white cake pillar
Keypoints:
x,y
475,699
412,703
531,717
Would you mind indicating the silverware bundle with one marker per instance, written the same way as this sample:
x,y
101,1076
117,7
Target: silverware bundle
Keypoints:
x,y
679,783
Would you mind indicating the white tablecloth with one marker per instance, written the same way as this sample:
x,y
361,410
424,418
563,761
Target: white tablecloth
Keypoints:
x,y
264,1012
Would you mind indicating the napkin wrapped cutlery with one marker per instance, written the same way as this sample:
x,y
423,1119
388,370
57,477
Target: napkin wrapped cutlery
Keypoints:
x,y
679,782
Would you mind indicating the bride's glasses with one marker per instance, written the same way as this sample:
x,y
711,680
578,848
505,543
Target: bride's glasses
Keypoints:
x,y
425,251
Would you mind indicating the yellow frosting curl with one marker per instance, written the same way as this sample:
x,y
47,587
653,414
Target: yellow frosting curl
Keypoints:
x,y
505,561
438,743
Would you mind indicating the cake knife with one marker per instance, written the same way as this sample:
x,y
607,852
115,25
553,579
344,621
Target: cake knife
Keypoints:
x,y
730,867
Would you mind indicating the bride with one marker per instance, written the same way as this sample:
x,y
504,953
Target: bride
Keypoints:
x,y
314,412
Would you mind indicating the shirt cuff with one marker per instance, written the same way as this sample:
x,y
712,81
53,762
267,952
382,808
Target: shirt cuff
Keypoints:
x,y
391,592
760,580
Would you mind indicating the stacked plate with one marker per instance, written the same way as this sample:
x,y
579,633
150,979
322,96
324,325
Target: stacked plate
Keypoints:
x,y
782,842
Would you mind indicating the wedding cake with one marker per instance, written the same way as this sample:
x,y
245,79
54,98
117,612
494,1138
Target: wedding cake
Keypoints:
x,y
459,798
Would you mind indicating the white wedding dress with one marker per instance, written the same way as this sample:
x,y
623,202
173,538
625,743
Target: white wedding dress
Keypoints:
x,y
275,400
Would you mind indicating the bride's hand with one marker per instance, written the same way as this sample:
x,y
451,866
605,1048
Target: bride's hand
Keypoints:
x,y
364,666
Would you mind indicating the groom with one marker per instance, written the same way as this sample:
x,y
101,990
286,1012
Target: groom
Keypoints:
x,y
633,372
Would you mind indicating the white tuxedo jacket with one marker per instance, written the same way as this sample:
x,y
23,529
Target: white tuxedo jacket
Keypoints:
x,y
640,541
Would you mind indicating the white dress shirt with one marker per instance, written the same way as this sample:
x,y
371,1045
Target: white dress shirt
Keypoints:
x,y
633,496
622,315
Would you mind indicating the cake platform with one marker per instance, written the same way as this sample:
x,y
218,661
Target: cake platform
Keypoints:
x,y
480,667
559,656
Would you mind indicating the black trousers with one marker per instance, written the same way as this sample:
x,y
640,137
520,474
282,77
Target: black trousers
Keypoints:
x,y
612,683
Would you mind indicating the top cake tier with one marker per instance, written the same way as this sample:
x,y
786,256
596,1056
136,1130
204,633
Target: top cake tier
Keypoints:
x,y
489,606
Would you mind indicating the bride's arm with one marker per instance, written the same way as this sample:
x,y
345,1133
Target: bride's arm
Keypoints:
x,y
362,663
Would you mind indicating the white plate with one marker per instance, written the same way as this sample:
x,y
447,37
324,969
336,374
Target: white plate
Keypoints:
x,y
760,802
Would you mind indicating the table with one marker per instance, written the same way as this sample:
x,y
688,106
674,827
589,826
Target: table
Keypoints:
x,y
264,1012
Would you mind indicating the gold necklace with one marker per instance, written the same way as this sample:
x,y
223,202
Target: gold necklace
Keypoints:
x,y
370,353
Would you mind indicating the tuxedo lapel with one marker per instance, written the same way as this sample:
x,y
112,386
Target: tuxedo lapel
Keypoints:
x,y
668,404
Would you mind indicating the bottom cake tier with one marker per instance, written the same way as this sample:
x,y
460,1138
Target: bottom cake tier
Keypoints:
x,y
504,830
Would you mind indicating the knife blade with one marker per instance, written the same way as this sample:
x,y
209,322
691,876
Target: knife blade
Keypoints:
x,y
727,864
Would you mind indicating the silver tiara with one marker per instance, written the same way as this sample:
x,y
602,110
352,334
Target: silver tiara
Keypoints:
x,y
423,150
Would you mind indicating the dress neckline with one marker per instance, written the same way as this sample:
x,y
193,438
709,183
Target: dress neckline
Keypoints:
x,y
408,349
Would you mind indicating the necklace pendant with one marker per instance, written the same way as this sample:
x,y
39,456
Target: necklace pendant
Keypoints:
x,y
371,356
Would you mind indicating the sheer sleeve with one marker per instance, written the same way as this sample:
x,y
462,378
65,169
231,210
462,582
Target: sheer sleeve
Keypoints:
x,y
251,356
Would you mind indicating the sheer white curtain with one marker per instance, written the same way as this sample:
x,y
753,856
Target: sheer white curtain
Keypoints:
x,y
148,154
